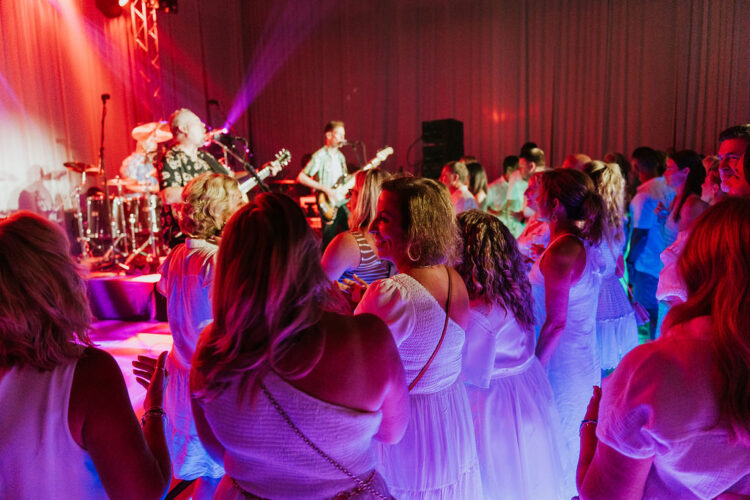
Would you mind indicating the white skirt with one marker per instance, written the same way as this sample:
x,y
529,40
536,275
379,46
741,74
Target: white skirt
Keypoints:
x,y
616,327
437,457
518,436
190,460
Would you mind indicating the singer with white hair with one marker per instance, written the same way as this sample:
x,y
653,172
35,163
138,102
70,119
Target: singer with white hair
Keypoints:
x,y
180,164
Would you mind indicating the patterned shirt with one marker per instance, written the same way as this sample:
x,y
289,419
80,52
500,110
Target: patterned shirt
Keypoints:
x,y
328,164
177,169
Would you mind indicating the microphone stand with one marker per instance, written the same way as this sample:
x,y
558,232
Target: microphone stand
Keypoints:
x,y
103,172
249,168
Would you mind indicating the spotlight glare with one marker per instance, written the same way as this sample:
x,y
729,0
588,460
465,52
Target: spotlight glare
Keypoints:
x,y
123,3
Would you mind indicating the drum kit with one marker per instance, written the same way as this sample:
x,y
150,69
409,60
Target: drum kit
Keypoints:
x,y
123,228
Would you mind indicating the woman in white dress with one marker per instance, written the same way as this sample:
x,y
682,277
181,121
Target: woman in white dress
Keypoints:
x,y
288,394
426,307
674,420
515,418
565,283
187,275
616,327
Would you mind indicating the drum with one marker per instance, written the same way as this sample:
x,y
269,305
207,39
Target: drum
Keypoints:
x,y
97,219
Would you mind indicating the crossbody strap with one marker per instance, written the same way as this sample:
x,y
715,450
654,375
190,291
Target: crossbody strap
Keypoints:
x,y
442,335
361,484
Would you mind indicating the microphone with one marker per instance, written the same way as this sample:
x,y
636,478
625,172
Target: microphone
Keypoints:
x,y
212,135
213,102
348,143
105,97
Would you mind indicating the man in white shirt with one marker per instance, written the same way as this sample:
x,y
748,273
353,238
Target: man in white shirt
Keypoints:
x,y
455,176
646,242
530,161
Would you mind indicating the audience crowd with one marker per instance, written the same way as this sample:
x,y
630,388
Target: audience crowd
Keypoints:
x,y
560,331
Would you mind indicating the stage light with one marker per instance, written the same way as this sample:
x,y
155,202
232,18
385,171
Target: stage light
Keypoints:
x,y
111,8
123,3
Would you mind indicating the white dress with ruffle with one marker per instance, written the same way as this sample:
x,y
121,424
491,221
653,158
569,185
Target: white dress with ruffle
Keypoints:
x,y
437,456
516,422
574,367
616,327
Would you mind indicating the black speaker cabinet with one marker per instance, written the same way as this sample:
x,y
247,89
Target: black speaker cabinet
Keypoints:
x,y
442,141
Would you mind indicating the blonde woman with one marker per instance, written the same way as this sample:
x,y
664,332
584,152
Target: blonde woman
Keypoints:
x,y
426,307
353,252
616,327
287,393
67,428
187,276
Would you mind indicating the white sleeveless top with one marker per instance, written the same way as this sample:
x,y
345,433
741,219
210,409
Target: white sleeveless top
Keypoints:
x,y
265,456
416,321
38,456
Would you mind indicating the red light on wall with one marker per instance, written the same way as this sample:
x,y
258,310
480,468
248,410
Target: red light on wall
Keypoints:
x,y
111,8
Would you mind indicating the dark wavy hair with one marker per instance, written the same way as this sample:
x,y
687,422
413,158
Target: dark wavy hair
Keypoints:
x,y
493,268
716,270
687,158
577,194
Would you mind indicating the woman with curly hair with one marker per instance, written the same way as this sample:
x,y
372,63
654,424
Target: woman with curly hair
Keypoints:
x,y
289,394
187,276
674,418
515,418
426,307
616,327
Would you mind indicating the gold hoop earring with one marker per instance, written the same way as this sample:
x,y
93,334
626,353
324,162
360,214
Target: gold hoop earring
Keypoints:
x,y
408,254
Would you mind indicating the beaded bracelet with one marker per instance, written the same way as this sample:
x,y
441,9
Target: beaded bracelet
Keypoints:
x,y
151,412
587,421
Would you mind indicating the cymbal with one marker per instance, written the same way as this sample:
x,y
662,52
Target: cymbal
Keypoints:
x,y
80,167
158,131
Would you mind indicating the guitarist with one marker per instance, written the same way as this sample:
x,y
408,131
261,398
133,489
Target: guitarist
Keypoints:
x,y
326,166
180,164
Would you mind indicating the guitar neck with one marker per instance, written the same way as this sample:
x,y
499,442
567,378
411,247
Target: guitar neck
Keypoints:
x,y
251,182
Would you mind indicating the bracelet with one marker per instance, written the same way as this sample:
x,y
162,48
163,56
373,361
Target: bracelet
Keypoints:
x,y
151,412
587,421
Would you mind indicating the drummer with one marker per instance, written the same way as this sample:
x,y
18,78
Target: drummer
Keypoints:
x,y
138,171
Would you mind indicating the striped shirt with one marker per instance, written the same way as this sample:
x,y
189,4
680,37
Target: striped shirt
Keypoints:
x,y
370,267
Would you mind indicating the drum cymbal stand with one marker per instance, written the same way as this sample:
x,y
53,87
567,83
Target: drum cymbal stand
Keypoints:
x,y
83,239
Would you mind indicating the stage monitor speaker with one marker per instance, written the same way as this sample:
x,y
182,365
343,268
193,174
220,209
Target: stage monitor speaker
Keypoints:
x,y
442,141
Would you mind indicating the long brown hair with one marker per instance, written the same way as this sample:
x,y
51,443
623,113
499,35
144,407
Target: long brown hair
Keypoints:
x,y
428,219
716,269
269,288
493,268
44,309
369,182
576,193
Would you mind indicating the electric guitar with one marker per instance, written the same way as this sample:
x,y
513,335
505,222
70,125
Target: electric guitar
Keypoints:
x,y
272,168
326,207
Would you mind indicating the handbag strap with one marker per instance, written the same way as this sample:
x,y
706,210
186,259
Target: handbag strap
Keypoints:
x,y
442,335
362,485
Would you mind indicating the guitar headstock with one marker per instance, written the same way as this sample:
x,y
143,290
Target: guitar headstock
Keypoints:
x,y
384,153
283,157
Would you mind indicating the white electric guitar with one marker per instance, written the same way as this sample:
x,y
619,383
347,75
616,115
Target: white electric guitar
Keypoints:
x,y
326,207
272,168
